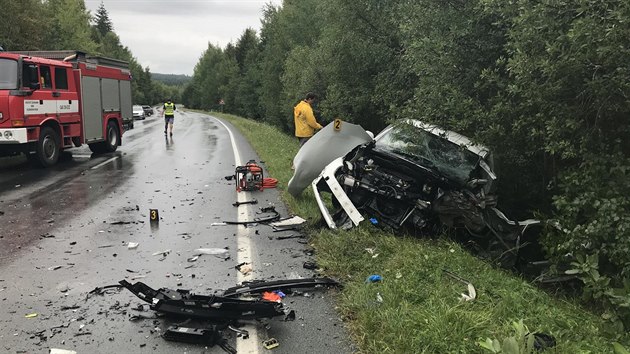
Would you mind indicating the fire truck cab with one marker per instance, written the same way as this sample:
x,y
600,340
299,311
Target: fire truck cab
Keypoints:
x,y
51,101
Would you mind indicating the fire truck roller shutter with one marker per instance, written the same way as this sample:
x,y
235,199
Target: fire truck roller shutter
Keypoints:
x,y
92,109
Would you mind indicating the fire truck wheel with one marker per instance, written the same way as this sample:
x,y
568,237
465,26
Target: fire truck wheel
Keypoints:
x,y
48,147
112,138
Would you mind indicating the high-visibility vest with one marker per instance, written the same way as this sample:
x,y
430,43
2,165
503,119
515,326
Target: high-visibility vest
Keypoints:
x,y
169,109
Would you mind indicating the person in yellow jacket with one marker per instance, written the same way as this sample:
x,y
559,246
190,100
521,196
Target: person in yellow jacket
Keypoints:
x,y
305,123
168,112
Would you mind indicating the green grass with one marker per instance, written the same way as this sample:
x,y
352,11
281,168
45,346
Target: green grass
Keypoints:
x,y
421,311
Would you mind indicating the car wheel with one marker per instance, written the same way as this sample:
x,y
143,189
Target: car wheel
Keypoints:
x,y
48,147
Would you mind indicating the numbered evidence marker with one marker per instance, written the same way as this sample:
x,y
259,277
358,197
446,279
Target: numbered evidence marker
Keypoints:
x,y
154,216
337,124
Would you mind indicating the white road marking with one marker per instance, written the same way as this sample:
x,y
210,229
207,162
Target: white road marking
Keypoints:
x,y
104,163
243,254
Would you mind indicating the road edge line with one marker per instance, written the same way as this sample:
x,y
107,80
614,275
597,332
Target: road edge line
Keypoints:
x,y
243,253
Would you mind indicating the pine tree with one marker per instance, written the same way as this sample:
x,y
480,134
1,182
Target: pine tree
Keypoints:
x,y
103,23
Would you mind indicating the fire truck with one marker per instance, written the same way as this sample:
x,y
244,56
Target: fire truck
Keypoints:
x,y
52,101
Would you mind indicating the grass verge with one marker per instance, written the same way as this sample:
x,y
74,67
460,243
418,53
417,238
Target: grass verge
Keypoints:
x,y
416,308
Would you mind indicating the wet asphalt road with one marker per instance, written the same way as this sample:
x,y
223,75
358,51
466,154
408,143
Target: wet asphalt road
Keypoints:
x,y
64,231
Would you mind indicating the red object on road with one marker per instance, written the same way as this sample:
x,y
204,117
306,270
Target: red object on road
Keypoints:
x,y
54,100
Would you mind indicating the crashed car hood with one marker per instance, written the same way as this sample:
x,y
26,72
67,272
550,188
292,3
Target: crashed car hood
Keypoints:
x,y
325,146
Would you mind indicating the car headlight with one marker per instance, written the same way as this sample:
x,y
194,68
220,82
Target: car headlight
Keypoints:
x,y
8,135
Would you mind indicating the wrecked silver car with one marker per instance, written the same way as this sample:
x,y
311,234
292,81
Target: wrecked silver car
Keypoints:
x,y
418,176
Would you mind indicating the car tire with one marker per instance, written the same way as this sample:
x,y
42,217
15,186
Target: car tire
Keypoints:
x,y
48,147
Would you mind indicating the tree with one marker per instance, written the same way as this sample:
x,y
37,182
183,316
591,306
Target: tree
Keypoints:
x,y
24,25
103,23
70,26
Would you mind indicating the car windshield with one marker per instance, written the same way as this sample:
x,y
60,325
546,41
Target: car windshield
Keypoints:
x,y
8,74
429,150
137,108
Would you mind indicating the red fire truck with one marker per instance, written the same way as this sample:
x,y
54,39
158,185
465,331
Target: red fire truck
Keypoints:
x,y
51,101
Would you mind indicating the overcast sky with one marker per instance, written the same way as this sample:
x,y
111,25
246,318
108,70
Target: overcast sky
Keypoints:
x,y
169,36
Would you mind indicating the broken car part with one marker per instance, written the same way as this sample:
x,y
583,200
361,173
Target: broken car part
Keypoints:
x,y
288,222
204,336
255,287
183,303
253,201
275,216
325,146
472,293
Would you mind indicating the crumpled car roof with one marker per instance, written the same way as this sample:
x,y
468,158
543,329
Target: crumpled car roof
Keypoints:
x,y
320,150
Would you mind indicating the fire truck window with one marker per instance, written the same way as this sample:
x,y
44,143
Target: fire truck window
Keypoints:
x,y
61,78
29,75
45,77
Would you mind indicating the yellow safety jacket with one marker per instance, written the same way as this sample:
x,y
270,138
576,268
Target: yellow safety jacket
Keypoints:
x,y
169,109
305,123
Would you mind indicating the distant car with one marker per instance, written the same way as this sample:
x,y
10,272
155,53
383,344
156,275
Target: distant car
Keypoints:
x,y
148,110
138,113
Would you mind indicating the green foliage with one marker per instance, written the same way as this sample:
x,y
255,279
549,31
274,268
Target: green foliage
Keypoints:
x,y
103,23
522,342
593,209
23,25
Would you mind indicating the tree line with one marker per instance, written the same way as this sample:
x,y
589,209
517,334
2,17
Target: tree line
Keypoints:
x,y
68,25
544,83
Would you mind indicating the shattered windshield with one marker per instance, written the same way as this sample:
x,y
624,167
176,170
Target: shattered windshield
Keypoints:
x,y
8,74
429,150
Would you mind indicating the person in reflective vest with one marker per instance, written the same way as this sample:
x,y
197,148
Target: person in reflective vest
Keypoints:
x,y
168,111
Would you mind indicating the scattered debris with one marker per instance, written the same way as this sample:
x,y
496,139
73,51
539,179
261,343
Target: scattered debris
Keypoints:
x,y
472,293
256,287
31,315
217,252
372,251
245,268
270,343
162,253
55,267
253,201
263,220
291,221
208,336
61,351
289,237
74,307
121,222
374,278
132,245
379,298
310,265
100,290
105,246
271,296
